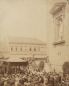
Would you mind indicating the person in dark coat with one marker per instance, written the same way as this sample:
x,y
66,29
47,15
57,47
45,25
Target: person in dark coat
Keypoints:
x,y
1,82
50,80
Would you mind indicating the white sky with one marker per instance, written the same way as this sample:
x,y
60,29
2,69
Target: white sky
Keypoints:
x,y
26,18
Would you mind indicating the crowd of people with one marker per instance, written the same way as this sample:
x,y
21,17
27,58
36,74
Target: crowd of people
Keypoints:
x,y
29,78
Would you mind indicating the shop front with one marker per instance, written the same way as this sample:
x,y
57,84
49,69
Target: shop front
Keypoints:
x,y
14,65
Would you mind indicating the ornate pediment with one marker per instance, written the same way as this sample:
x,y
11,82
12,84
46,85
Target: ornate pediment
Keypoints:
x,y
58,7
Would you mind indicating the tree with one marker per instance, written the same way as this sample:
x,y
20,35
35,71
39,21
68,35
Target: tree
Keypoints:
x,y
41,65
66,67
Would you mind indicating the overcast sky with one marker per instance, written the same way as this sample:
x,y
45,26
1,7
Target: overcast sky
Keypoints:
x,y
26,18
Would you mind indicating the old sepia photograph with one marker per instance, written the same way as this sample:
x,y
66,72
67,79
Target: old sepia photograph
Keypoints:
x,y
34,42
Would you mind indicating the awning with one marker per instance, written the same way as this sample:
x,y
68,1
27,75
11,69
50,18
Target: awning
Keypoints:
x,y
14,60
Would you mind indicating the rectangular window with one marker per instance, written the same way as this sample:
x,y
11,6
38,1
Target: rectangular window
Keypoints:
x,y
11,49
16,49
20,49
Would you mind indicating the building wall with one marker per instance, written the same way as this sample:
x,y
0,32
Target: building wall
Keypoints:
x,y
26,50
59,53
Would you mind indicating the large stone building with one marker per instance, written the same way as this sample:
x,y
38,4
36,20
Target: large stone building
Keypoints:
x,y
20,47
58,34
27,49
32,50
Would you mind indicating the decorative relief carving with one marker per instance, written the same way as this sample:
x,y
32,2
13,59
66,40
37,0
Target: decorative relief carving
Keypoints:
x,y
58,13
59,27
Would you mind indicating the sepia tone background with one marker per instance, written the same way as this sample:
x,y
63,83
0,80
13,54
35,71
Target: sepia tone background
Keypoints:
x,y
24,18
33,19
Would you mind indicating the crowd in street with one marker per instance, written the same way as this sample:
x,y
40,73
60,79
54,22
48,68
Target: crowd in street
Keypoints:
x,y
29,78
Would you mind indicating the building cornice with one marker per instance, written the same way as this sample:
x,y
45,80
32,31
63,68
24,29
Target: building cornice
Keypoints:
x,y
59,42
27,43
57,8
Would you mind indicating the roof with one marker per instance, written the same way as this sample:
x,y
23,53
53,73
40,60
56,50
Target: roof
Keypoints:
x,y
14,60
25,40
